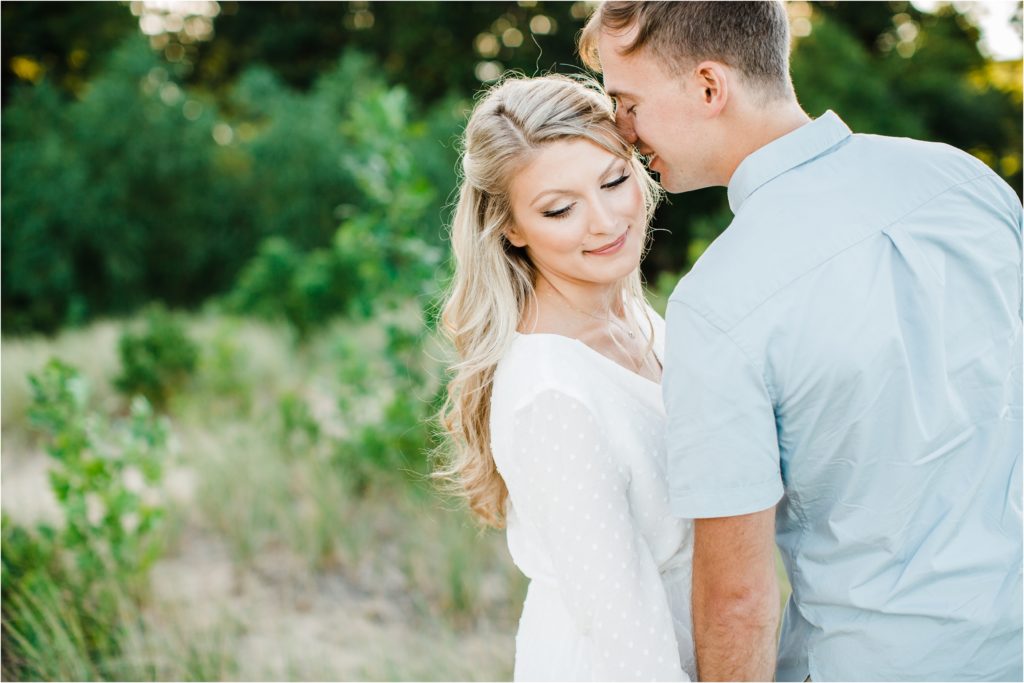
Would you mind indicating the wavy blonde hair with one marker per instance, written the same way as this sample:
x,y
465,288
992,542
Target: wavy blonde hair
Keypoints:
x,y
494,281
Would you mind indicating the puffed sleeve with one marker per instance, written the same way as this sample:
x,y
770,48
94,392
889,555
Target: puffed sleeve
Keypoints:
x,y
722,442
567,486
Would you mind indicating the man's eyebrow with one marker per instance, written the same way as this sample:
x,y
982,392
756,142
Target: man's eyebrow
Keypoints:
x,y
603,173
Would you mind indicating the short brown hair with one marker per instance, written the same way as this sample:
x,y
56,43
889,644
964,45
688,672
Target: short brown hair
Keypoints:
x,y
751,37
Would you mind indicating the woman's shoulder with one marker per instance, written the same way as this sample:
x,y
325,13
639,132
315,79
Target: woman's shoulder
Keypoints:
x,y
538,363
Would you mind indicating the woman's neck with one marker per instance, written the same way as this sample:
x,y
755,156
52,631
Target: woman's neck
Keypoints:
x,y
573,309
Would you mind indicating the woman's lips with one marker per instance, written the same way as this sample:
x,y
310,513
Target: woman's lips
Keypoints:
x,y
610,248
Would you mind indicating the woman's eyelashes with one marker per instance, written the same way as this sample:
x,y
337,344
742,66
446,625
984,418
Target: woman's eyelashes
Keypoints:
x,y
564,211
618,181
559,213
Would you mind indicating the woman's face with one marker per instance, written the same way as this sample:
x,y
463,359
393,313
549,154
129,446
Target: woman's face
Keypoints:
x,y
579,211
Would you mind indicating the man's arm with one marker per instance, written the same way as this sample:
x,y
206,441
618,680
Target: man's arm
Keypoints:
x,y
735,597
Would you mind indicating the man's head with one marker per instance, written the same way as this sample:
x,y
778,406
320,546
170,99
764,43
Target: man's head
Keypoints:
x,y
687,77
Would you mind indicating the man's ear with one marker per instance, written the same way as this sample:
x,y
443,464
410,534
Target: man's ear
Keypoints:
x,y
712,82
514,236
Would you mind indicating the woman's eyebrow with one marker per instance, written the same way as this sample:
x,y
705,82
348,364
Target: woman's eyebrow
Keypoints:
x,y
560,191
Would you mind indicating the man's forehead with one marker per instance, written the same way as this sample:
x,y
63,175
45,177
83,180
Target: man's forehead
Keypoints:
x,y
615,65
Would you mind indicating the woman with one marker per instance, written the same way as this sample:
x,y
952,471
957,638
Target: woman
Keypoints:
x,y
554,409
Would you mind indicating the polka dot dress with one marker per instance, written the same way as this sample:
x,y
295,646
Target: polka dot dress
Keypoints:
x,y
578,440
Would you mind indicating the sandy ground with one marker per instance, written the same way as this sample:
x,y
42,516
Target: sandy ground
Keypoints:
x,y
288,625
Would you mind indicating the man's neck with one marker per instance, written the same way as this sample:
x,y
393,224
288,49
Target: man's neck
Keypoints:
x,y
761,128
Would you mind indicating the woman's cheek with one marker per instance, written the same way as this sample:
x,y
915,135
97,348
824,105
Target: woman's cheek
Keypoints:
x,y
633,201
565,238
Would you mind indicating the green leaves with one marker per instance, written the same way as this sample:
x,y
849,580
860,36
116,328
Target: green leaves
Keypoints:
x,y
156,362
381,253
107,527
73,579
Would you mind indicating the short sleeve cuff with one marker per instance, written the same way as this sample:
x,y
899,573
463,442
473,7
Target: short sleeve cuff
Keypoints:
x,y
731,502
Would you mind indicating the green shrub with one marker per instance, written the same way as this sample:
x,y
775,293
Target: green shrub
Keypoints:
x,y
158,361
387,247
396,441
116,198
65,588
100,474
124,195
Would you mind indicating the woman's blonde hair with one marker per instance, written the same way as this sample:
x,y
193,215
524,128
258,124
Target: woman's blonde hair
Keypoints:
x,y
494,281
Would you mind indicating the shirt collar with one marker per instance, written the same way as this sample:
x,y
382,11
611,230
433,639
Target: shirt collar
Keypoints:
x,y
778,156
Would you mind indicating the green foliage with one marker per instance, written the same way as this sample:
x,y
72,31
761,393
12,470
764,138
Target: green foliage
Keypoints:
x,y
100,474
140,191
387,244
115,199
64,588
158,361
399,439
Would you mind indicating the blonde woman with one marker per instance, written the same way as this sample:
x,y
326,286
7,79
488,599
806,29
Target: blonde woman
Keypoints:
x,y
554,410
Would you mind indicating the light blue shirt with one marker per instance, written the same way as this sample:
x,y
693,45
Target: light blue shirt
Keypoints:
x,y
850,348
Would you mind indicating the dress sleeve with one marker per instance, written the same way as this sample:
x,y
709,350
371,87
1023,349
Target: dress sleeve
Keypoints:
x,y
566,485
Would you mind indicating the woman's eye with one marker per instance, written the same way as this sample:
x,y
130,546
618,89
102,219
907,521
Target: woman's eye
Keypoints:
x,y
616,182
632,110
559,213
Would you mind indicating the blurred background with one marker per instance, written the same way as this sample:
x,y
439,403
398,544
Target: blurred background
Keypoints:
x,y
223,246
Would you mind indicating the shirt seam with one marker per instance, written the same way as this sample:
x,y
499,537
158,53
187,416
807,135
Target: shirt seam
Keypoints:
x,y
987,174
760,371
760,484
526,401
846,132
827,150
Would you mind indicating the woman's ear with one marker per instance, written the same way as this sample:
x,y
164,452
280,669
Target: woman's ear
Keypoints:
x,y
514,237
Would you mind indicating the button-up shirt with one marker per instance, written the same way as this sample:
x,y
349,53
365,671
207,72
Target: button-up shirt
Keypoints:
x,y
850,349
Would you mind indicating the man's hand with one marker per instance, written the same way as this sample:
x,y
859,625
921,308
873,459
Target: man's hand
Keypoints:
x,y
735,597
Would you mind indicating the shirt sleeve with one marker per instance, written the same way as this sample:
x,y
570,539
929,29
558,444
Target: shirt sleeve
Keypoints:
x,y
566,486
722,442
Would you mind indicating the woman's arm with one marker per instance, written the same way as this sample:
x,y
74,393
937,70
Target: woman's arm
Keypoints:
x,y
566,484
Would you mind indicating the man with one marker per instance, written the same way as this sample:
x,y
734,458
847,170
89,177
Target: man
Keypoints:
x,y
843,366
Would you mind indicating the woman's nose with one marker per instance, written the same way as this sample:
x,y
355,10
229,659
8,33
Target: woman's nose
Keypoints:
x,y
602,219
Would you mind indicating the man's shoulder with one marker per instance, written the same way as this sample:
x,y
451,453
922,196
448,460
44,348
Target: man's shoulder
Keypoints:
x,y
806,216
935,161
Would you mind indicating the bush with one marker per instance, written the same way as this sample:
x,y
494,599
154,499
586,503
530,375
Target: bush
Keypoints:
x,y
157,362
115,199
65,588
141,190
387,246
399,439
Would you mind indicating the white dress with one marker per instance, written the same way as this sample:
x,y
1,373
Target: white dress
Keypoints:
x,y
578,440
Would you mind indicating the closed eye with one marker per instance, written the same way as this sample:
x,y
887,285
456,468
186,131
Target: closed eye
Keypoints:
x,y
559,213
564,211
616,182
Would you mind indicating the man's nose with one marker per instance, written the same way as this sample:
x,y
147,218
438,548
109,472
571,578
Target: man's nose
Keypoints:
x,y
624,122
